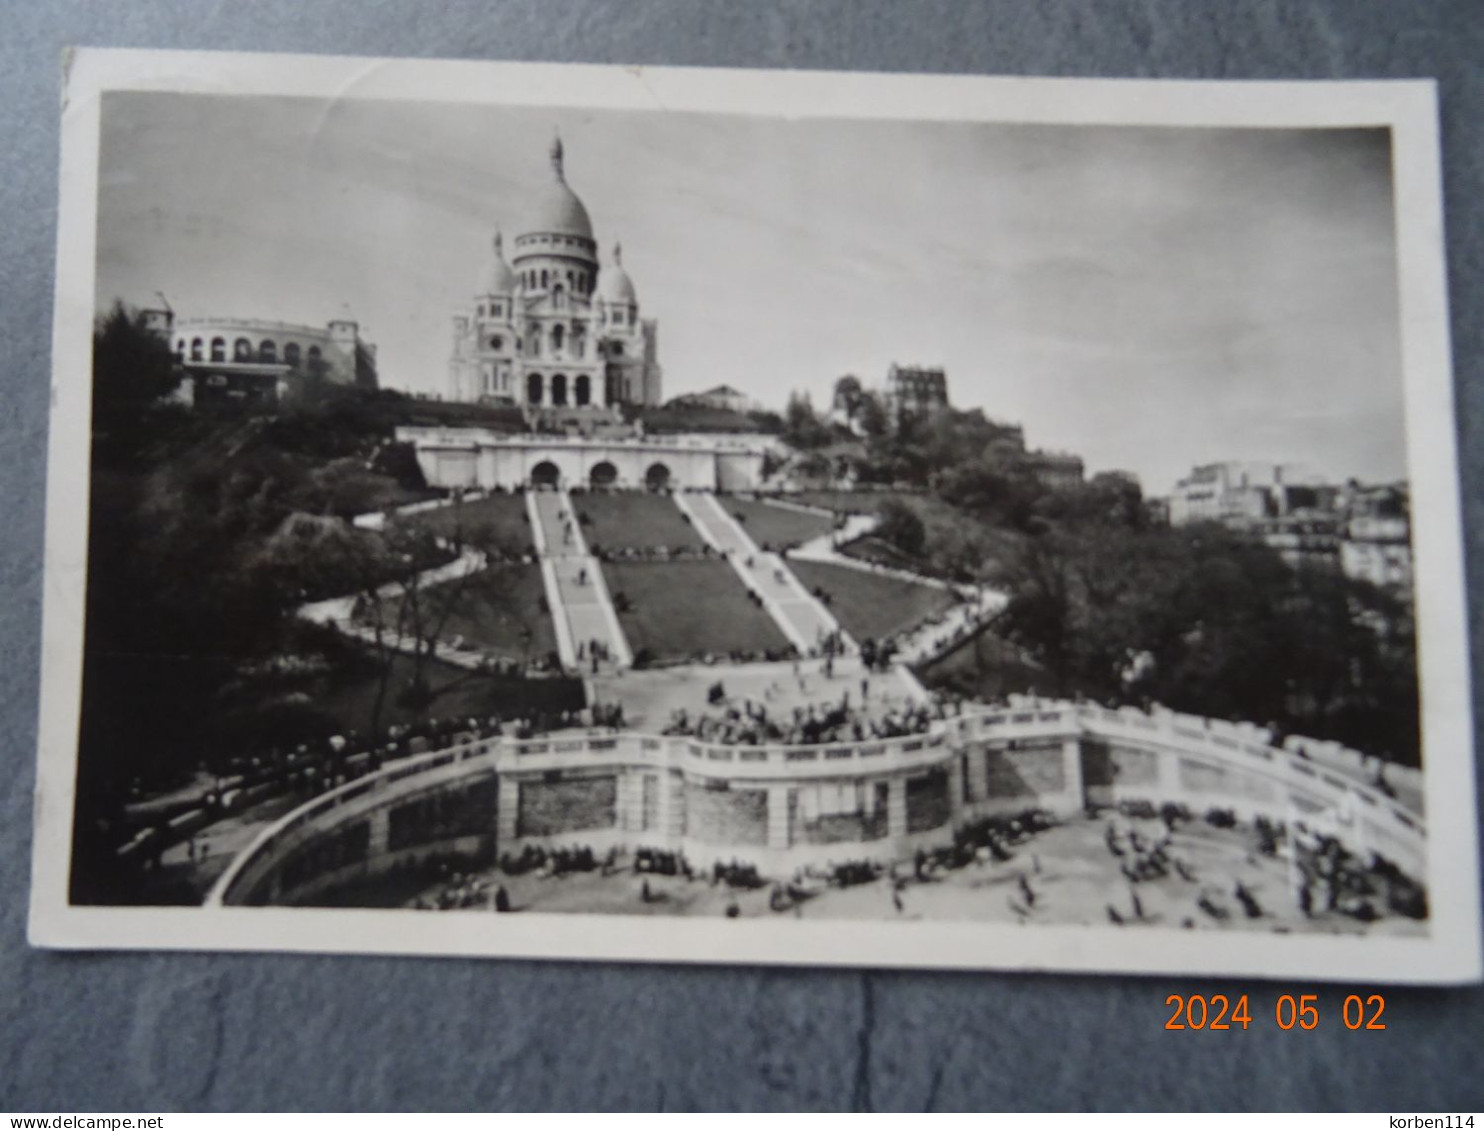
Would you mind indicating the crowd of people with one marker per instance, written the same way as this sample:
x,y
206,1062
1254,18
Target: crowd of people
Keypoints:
x,y
751,723
651,553
557,861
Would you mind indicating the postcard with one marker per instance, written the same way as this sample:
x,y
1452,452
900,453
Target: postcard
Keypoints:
x,y
744,517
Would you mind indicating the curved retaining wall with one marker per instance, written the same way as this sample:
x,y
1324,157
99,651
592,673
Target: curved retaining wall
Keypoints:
x,y
780,807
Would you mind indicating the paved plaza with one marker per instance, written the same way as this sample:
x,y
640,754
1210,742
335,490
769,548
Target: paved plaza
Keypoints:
x,y
651,698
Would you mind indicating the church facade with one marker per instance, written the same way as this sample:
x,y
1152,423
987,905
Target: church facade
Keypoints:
x,y
551,327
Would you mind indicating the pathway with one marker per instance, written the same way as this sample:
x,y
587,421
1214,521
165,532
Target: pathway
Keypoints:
x,y
801,616
581,609
339,613
977,605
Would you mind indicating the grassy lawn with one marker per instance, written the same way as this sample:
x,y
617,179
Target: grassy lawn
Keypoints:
x,y
688,609
869,605
850,502
350,701
499,611
776,527
501,517
634,521
958,545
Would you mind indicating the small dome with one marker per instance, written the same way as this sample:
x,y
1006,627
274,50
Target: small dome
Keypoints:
x,y
617,286
497,278
559,211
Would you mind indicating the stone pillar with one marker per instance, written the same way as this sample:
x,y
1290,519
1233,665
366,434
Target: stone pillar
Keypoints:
x,y
896,807
630,801
1167,769
978,773
956,789
381,822
778,823
672,805
1071,764
507,822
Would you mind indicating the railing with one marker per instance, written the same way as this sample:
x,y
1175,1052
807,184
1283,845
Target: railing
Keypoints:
x,y
475,437
1223,746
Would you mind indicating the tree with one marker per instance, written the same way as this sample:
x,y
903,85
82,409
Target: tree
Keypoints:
x,y
847,397
400,606
801,424
133,367
871,415
901,527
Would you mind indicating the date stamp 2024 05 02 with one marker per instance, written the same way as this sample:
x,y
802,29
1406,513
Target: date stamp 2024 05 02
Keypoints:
x,y
1290,1011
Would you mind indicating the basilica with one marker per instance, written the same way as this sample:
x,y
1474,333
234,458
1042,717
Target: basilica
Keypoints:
x,y
550,328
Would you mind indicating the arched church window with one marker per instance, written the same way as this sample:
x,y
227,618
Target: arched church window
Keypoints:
x,y
545,278
558,337
218,349
533,388
196,345
582,389
559,389
268,351
291,355
242,350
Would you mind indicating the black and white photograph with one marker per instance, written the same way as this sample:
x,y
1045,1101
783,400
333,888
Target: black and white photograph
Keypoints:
x,y
745,517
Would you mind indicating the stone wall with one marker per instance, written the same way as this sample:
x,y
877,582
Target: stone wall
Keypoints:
x,y
726,816
927,801
1029,770
551,808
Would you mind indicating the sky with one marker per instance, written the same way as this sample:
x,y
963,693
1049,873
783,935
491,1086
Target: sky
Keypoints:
x,y
1149,298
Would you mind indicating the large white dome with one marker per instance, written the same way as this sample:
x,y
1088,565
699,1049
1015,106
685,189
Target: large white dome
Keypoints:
x,y
558,210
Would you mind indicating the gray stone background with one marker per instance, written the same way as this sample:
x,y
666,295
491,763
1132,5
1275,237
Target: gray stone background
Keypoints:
x,y
194,1031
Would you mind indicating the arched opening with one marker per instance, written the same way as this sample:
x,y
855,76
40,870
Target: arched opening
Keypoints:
x,y
657,478
313,362
582,389
603,474
558,338
545,278
559,388
218,349
196,347
559,297
268,351
242,350
545,474
533,388
291,355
